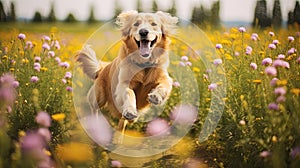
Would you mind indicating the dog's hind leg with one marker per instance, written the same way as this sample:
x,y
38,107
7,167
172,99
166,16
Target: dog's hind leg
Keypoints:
x,y
93,101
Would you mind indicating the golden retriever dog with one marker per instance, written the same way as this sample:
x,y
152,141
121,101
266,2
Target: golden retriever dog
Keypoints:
x,y
138,76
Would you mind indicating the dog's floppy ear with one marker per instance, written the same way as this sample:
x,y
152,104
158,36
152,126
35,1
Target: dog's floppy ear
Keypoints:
x,y
124,20
168,22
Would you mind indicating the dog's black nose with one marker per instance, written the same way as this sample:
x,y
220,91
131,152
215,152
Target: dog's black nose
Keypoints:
x,y
143,32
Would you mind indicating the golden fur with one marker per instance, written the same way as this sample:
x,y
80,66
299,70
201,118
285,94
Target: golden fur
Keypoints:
x,y
138,76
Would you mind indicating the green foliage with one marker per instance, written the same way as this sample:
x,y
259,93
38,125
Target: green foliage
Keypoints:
x,y
2,13
70,18
91,18
12,16
261,18
37,17
251,134
173,10
277,16
51,17
154,6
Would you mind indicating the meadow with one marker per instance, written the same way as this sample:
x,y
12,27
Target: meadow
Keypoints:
x,y
250,77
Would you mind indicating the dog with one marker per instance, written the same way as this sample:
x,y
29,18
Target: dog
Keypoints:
x,y
138,76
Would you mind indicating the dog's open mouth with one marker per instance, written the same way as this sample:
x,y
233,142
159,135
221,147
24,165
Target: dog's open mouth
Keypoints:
x,y
145,46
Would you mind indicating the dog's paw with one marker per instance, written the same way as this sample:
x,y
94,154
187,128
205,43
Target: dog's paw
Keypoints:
x,y
130,114
157,96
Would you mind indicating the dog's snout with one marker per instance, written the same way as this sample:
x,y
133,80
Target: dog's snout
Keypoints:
x,y
143,32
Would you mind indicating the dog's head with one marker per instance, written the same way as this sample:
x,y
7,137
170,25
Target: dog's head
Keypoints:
x,y
145,31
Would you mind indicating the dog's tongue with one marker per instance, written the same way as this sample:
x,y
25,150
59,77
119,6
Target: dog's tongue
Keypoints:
x,y
145,48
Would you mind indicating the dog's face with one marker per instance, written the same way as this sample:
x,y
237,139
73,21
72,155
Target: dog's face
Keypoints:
x,y
145,31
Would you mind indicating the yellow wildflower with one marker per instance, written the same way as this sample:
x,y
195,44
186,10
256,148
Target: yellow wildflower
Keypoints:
x,y
296,91
5,57
44,69
74,152
22,133
195,69
47,152
58,116
281,82
228,57
257,81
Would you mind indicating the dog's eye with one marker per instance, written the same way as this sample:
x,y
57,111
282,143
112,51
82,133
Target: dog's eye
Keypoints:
x,y
136,24
153,24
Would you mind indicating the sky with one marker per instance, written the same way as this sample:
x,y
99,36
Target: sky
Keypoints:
x,y
231,10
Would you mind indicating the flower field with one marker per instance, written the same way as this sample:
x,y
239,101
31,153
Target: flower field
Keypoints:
x,y
259,125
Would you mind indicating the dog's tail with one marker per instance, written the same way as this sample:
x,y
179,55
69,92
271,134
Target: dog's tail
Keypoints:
x,y
89,63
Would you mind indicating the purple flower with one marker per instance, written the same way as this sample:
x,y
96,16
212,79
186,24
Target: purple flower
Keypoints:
x,y
69,89
94,125
176,84
273,106
64,64
37,59
219,46
291,38
280,99
116,163
295,152
28,45
15,84
33,145
184,114
208,71
281,63
271,34
265,154
253,66
57,45
236,53
46,46
7,89
68,75
272,46
218,61
273,82
267,61
51,53
188,63
249,50
43,118
34,79
275,42
44,132
280,91
47,38
37,65
64,81
184,58
242,29
255,35
271,71
21,36
57,59
298,60
158,127
212,86
291,51
280,56
182,64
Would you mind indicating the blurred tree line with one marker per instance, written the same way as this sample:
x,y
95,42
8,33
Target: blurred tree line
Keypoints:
x,y
200,15
262,19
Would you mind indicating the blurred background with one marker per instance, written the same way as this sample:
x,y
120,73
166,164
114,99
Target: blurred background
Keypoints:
x,y
261,13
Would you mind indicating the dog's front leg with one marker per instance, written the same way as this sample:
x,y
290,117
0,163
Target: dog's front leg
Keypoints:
x,y
161,92
126,101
